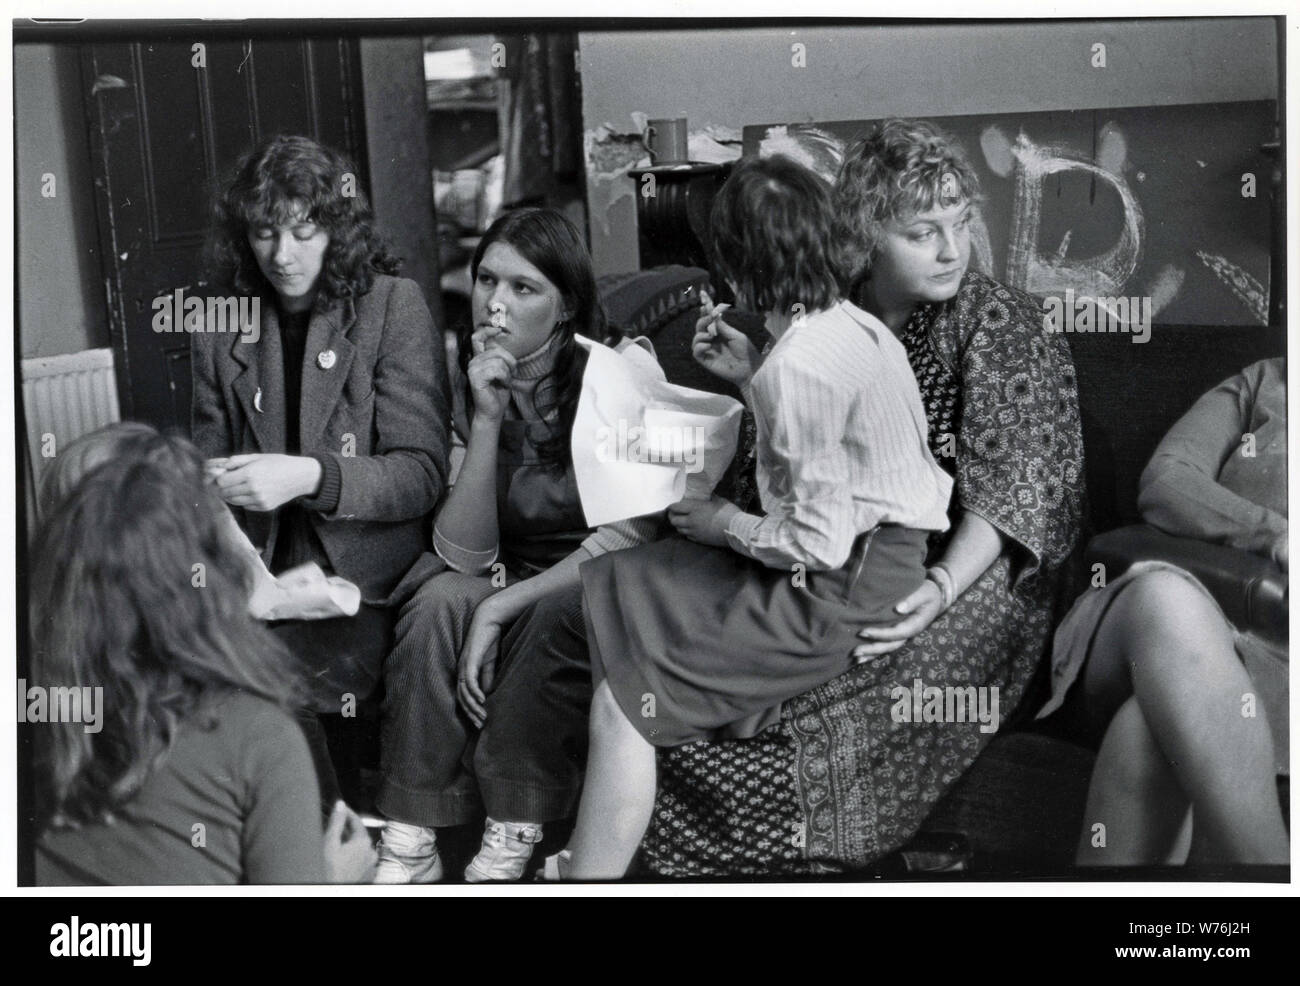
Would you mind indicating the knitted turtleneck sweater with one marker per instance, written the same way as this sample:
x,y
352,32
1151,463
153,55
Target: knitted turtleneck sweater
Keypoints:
x,y
528,373
540,514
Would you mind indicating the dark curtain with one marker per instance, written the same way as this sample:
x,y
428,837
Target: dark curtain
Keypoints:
x,y
541,116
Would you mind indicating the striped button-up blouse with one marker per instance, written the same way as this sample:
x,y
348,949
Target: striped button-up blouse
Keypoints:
x,y
841,443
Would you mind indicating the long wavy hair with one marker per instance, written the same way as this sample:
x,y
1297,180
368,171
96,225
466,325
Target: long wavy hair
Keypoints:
x,y
898,169
554,246
285,178
137,589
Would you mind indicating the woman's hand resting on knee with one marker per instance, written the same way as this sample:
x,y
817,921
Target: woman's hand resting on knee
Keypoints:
x,y
478,658
918,610
975,545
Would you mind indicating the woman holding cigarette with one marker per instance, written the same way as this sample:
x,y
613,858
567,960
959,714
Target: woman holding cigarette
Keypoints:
x,y
487,695
327,435
838,782
707,635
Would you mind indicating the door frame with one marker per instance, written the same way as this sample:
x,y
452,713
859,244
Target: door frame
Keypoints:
x,y
98,102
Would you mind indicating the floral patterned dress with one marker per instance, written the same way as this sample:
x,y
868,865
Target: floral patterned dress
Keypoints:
x,y
838,784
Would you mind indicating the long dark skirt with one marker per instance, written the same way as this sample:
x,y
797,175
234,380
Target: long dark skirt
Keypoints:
x,y
697,641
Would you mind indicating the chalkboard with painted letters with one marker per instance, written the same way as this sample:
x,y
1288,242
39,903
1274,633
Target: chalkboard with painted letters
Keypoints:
x,y
1170,203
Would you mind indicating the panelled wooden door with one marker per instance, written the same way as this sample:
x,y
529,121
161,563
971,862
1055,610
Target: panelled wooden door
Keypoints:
x,y
167,123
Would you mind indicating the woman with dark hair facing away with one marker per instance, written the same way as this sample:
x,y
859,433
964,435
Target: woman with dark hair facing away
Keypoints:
x,y
327,432
185,766
709,633
840,782
471,719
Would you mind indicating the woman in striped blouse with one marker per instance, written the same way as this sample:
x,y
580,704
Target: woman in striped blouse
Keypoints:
x,y
707,634
837,784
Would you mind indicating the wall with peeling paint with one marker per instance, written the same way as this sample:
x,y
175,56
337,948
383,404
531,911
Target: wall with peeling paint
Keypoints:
x,y
732,78
60,301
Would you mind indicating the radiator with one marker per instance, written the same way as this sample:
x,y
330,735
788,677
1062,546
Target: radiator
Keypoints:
x,y
64,397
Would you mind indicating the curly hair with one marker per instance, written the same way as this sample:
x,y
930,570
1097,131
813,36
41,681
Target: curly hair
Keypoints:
x,y
552,244
900,168
283,179
772,233
137,589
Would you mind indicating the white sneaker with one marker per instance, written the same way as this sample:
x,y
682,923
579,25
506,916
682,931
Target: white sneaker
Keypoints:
x,y
507,847
408,854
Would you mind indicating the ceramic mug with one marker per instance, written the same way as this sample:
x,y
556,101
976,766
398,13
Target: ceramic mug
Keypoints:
x,y
666,141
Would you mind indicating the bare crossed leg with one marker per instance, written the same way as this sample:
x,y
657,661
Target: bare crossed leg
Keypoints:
x,y
1179,741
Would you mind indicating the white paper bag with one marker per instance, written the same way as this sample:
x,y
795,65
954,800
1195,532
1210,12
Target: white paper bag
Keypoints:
x,y
640,443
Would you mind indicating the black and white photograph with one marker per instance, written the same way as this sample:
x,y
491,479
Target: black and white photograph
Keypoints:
x,y
778,456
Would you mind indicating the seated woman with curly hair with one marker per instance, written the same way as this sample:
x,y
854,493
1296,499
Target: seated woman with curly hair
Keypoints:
x,y
838,782
191,770
710,629
327,432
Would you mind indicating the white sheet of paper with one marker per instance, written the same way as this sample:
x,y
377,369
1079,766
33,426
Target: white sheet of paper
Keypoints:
x,y
302,593
640,443
305,593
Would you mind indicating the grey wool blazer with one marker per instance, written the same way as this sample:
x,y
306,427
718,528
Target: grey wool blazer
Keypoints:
x,y
374,399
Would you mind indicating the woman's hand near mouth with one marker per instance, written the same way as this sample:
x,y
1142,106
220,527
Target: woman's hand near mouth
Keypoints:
x,y
489,375
485,337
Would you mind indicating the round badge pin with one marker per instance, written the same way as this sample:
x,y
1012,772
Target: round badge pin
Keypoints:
x,y
326,359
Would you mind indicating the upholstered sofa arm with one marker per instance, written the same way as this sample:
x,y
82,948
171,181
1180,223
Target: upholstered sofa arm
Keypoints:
x,y
642,302
1251,589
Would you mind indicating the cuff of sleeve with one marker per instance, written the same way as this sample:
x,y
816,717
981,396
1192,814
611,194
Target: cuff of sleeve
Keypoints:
x,y
597,544
326,499
740,531
462,560
620,535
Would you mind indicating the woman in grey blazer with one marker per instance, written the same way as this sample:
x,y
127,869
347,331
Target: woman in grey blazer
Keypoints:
x,y
324,421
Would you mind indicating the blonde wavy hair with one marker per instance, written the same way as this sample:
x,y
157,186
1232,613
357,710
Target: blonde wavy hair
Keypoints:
x,y
900,168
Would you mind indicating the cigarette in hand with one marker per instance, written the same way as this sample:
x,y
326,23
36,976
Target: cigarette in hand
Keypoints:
x,y
718,312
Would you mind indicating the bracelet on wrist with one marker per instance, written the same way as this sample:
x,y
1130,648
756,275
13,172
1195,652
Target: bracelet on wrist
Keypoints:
x,y
942,578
